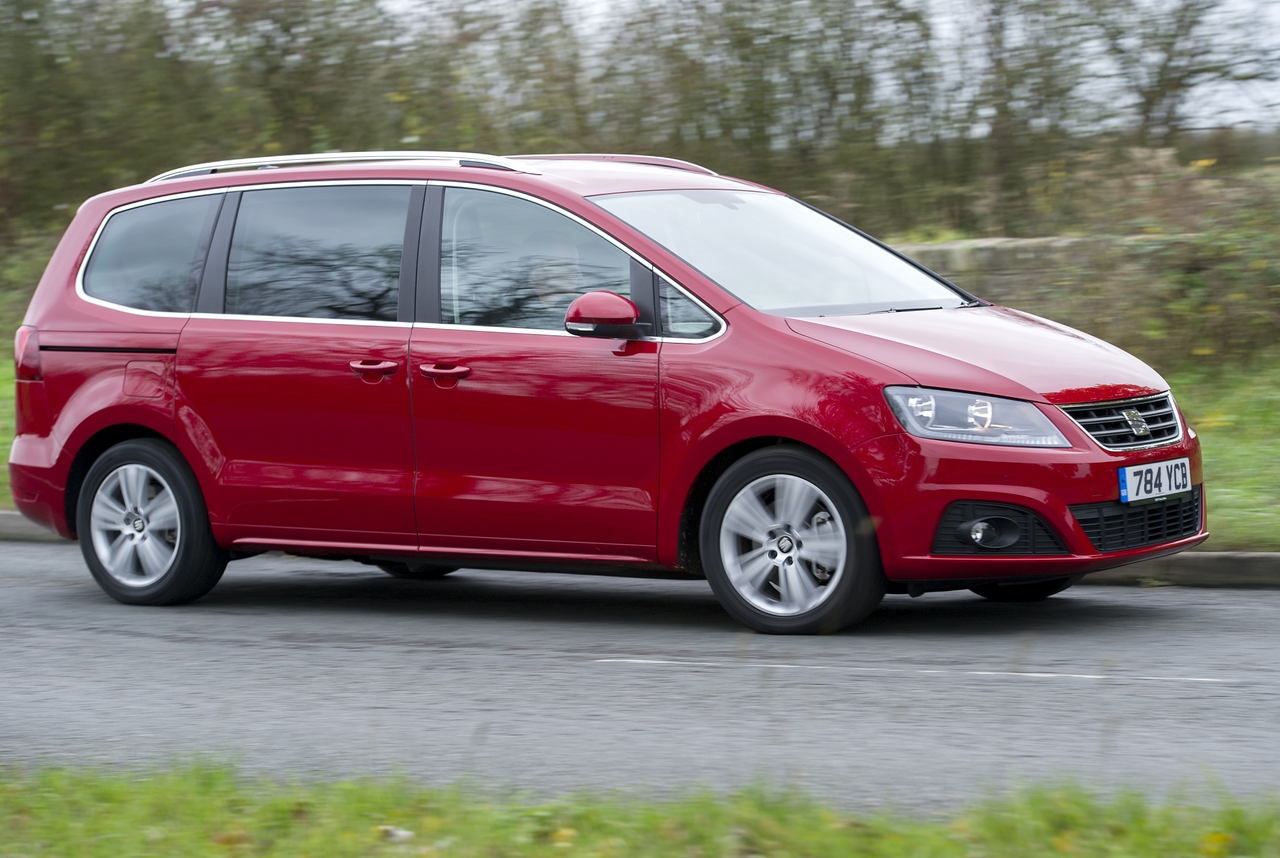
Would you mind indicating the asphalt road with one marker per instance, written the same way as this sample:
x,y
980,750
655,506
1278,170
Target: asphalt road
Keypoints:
x,y
558,683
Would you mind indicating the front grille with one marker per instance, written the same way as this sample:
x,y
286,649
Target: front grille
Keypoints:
x,y
1109,426
1035,536
1115,526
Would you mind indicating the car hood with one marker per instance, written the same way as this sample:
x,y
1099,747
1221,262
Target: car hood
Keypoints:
x,y
992,350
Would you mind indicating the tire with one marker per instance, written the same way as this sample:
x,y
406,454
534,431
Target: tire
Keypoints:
x,y
130,497
1034,592
752,538
416,571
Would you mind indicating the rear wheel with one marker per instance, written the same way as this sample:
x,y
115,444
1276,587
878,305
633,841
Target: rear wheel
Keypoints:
x,y
788,545
416,571
143,526
1035,592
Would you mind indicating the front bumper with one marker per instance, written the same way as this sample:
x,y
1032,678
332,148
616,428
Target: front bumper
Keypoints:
x,y
909,482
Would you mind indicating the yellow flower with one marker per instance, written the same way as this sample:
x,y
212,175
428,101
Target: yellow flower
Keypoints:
x,y
1216,844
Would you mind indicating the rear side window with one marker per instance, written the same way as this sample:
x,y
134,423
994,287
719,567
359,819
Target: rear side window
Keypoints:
x,y
324,253
508,262
149,257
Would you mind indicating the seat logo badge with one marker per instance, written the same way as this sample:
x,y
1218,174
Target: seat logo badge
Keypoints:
x,y
1137,423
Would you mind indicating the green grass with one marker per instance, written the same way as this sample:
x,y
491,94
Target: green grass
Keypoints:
x,y
1236,413
22,260
210,811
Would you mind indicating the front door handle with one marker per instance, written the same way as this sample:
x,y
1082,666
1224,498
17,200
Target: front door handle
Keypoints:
x,y
444,371
374,367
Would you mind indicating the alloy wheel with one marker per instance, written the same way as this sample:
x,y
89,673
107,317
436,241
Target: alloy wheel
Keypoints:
x,y
135,525
783,544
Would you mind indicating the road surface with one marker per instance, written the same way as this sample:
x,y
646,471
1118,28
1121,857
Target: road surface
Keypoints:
x,y
561,683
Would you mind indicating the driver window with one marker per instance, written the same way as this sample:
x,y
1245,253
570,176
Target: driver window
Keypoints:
x,y
507,262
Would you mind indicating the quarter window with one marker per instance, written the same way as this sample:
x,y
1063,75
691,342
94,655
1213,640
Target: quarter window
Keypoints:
x,y
325,253
150,257
508,262
681,317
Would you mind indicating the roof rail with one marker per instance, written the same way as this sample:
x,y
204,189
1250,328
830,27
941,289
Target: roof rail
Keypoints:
x,y
651,160
462,159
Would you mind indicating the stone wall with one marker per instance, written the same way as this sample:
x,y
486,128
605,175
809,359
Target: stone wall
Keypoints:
x,y
1110,287
1014,270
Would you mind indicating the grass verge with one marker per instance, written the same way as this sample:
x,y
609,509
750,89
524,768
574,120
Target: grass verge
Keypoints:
x,y
1237,414
198,811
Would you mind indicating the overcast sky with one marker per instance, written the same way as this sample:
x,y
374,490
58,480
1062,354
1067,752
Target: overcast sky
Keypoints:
x,y
1254,103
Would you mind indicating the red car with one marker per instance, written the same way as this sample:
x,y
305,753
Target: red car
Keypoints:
x,y
425,360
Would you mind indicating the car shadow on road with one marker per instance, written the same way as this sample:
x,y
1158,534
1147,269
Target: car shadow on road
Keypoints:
x,y
963,613
298,586
472,594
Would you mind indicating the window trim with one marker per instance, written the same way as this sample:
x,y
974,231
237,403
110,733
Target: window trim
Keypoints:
x,y
657,300
646,296
205,250
637,268
213,276
408,251
212,294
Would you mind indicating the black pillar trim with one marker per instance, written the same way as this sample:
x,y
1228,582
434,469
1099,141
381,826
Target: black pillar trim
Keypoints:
x,y
642,294
202,247
213,285
409,255
428,274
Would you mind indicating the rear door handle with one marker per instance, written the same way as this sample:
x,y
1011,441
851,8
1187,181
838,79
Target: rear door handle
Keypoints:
x,y
444,371
374,367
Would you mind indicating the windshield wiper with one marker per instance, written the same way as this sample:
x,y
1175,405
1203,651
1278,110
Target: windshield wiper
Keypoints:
x,y
901,310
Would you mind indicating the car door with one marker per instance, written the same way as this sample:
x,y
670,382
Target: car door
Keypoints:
x,y
530,441
293,377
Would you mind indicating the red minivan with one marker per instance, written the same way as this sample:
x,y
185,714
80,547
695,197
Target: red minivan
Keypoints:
x,y
426,360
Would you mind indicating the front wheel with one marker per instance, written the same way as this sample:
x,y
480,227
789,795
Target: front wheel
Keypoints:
x,y
143,526
1034,592
788,546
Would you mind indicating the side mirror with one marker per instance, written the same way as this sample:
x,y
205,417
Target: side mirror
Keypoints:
x,y
606,315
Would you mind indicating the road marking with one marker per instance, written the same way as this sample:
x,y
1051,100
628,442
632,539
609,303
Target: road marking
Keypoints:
x,y
853,669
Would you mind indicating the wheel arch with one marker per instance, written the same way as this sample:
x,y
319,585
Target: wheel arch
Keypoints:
x,y
695,498
89,452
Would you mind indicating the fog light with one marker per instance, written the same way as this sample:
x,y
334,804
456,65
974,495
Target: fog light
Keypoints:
x,y
993,532
982,532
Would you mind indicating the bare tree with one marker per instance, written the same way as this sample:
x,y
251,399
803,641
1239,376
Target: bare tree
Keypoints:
x,y
1030,94
1164,49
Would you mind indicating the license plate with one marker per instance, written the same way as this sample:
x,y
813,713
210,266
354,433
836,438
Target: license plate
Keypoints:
x,y
1155,481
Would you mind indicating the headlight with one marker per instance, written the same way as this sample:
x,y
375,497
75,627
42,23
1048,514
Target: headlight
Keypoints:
x,y
950,416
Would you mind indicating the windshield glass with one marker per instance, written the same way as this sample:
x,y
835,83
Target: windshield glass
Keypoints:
x,y
778,255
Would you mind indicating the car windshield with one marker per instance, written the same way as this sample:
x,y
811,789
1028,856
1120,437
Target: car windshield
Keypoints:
x,y
779,255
